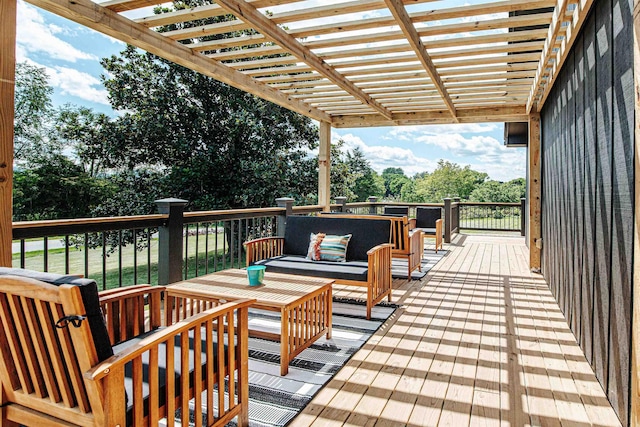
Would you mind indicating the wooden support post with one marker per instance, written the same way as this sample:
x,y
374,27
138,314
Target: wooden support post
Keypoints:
x,y
535,200
324,166
8,10
635,325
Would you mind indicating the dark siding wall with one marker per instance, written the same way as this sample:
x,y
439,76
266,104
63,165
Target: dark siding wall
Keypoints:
x,y
587,194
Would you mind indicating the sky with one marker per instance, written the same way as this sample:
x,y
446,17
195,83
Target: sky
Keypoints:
x,y
71,54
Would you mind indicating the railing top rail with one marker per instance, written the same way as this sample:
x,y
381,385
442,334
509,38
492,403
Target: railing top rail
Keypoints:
x,y
309,209
58,227
500,204
227,214
367,204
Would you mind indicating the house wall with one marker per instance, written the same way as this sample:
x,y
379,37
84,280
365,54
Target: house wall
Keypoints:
x,y
587,194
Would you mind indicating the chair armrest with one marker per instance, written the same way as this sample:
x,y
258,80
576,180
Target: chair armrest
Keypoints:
x,y
412,223
376,249
117,361
263,248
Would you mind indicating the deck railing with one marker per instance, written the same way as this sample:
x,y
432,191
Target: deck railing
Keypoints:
x,y
173,244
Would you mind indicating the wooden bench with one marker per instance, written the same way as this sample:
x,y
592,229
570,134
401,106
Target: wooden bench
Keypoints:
x,y
368,261
57,367
407,243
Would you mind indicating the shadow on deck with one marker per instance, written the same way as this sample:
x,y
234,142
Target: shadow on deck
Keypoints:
x,y
479,341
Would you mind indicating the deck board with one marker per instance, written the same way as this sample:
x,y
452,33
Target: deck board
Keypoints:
x,y
479,341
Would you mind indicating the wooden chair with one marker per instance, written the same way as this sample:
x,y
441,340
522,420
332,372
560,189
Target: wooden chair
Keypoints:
x,y
429,221
57,365
405,241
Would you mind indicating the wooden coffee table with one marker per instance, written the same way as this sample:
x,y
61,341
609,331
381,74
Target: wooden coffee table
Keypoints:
x,y
304,304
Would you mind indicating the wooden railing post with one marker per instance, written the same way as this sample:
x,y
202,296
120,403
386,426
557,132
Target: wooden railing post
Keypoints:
x,y
170,238
523,217
7,88
372,207
287,203
447,220
342,201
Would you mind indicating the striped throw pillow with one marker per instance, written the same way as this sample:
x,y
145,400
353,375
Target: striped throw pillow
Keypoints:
x,y
334,248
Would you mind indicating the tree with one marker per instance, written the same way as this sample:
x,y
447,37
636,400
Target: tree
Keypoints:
x,y
394,180
500,192
219,147
33,111
448,180
38,195
367,181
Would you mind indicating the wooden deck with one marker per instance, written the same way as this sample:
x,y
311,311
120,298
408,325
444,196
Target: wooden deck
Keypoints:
x,y
479,341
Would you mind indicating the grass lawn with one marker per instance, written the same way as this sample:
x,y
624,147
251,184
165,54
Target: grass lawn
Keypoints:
x,y
506,222
127,274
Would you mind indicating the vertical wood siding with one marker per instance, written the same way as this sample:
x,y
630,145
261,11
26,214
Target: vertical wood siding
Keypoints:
x,y
587,202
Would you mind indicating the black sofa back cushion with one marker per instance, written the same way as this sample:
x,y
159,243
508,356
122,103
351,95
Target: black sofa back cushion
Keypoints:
x,y
90,299
426,217
396,210
366,233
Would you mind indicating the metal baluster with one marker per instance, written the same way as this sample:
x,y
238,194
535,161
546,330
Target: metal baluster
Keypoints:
x,y
104,261
232,242
135,256
224,247
197,246
22,251
149,255
215,257
206,250
66,254
45,243
86,255
186,252
120,258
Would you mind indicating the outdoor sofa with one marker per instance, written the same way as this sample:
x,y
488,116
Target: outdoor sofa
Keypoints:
x,y
368,253
407,243
72,356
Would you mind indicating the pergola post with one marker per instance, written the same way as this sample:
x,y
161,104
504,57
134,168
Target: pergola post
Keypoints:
x,y
635,325
324,167
535,201
8,11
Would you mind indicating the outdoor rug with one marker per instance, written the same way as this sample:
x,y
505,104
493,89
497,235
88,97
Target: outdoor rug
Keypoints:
x,y
275,400
429,259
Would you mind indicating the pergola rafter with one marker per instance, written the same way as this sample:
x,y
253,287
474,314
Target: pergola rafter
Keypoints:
x,y
400,61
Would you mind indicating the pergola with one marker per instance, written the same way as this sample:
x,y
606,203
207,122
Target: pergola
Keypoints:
x,y
398,63
492,61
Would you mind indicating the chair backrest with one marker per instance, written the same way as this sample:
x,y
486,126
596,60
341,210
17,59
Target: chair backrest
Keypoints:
x,y
88,291
44,354
396,210
426,217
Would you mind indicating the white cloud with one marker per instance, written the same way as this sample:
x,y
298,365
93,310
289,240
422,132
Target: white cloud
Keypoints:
x,y
382,157
34,35
77,83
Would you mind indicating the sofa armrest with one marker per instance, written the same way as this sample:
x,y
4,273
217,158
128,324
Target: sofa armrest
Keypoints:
x,y
263,248
131,311
229,358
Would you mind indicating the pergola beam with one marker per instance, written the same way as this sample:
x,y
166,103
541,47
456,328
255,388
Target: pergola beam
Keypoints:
x,y
579,17
547,51
269,29
471,115
108,22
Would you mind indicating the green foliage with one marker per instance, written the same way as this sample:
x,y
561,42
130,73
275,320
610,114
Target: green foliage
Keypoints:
x,y
394,181
448,180
57,188
502,192
220,147
32,115
352,176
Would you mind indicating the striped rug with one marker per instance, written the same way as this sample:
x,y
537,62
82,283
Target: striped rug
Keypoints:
x,y
275,400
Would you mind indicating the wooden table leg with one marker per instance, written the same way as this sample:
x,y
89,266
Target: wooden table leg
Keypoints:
x,y
284,341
